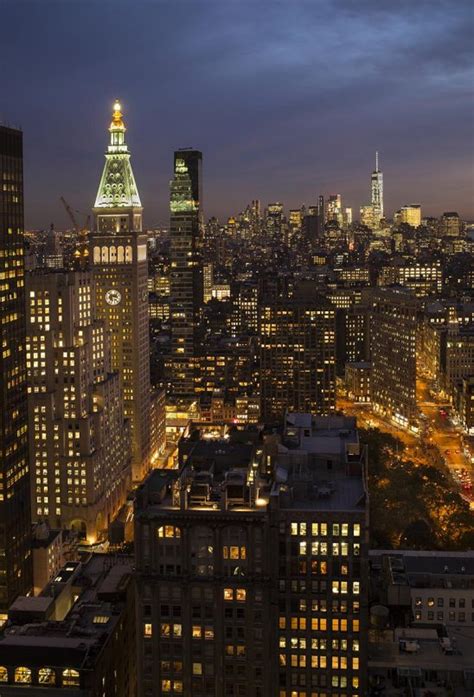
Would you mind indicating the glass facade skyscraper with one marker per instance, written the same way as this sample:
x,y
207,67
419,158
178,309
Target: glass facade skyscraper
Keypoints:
x,y
377,190
186,283
15,518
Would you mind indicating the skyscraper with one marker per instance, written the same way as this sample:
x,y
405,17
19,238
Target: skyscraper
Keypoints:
x,y
15,519
251,566
186,283
274,221
377,191
79,443
409,214
119,258
297,356
393,330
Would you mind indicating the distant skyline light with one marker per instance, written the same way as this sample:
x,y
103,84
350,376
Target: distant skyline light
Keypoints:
x,y
286,101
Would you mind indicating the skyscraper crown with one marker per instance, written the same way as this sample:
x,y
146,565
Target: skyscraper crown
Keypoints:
x,y
117,188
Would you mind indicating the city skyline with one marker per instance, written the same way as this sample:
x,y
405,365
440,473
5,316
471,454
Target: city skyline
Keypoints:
x,y
346,94
237,348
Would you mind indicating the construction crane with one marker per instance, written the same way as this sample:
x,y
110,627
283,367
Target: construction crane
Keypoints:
x,y
81,252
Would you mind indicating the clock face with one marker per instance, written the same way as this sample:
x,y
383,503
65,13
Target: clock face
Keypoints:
x,y
113,296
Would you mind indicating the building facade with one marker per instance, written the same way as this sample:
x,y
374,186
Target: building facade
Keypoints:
x,y
393,333
297,356
248,587
377,191
186,284
77,638
79,442
119,259
15,517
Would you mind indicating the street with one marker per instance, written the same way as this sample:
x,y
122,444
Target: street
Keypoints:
x,y
437,431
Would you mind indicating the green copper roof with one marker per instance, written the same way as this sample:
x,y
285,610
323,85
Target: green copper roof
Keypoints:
x,y
117,188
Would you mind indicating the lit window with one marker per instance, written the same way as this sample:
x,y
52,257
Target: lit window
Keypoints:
x,y
168,531
70,678
241,594
148,629
3,674
228,593
22,675
46,676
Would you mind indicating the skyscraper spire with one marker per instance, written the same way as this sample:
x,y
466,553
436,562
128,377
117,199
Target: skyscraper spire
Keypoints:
x,y
117,188
119,262
377,190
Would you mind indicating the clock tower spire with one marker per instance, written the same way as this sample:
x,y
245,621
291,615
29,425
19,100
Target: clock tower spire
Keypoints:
x,y
117,205
119,260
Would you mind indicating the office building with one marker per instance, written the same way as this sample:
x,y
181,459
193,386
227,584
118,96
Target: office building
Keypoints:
x,y
251,565
334,210
15,518
119,259
274,221
393,330
423,278
421,622
456,355
464,403
208,280
186,286
79,443
76,638
367,216
450,224
377,191
245,315
48,555
357,381
409,215
297,356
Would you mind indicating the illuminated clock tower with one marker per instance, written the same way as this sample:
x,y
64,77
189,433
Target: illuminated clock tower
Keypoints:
x,y
119,259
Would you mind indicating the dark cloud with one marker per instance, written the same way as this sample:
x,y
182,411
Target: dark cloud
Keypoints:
x,y
285,99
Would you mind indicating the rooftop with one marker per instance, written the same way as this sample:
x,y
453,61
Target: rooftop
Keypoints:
x,y
315,463
77,639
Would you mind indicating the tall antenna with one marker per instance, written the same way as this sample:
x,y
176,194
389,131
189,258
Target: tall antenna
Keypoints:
x,y
376,160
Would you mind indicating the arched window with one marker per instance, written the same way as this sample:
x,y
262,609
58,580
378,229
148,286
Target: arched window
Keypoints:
x,y
70,678
105,254
128,253
22,675
46,676
120,254
96,254
3,674
113,255
202,550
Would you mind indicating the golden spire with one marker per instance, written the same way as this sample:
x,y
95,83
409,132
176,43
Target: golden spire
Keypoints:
x,y
117,121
